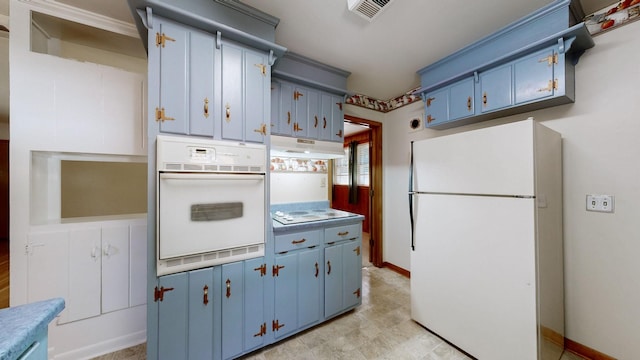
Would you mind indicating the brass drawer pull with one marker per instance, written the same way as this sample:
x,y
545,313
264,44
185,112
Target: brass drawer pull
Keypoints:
x,y
328,267
315,125
325,122
228,112
344,233
469,103
205,295
295,242
206,107
228,288
484,99
317,269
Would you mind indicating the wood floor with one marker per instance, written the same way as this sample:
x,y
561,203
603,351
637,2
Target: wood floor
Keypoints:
x,y
4,273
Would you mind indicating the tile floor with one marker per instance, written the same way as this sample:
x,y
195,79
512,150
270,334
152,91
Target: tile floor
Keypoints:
x,y
379,329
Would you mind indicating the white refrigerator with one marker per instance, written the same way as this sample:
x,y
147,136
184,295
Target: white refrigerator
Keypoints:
x,y
486,247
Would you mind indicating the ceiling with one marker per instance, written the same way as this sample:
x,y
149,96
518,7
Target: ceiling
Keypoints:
x,y
384,55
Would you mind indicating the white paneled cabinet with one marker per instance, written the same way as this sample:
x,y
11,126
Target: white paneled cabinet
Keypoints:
x,y
97,267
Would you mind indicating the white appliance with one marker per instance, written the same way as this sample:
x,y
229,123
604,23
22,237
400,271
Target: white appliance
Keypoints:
x,y
284,146
487,255
211,202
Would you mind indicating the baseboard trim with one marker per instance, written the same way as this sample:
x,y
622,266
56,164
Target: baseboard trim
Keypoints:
x,y
104,347
398,269
552,336
585,351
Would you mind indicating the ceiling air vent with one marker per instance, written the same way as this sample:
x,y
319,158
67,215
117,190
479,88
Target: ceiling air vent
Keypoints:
x,y
368,9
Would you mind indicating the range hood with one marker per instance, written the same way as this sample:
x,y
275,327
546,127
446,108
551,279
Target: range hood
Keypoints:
x,y
305,148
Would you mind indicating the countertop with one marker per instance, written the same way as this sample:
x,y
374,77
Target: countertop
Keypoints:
x,y
21,325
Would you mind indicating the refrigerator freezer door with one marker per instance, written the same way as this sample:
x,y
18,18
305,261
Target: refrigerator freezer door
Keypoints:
x,y
473,273
495,160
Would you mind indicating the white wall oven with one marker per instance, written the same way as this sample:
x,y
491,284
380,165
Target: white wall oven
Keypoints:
x,y
210,202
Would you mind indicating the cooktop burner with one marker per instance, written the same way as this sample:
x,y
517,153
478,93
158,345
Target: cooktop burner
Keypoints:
x,y
302,216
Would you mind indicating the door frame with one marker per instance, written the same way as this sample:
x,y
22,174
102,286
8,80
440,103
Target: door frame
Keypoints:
x,y
375,187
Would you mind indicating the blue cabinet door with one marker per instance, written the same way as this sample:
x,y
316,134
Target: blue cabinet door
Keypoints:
x,y
333,283
314,122
232,309
285,275
337,119
285,117
201,80
301,111
174,70
256,95
326,116
201,305
232,109
533,76
173,317
436,105
352,273
254,320
496,88
461,96
310,276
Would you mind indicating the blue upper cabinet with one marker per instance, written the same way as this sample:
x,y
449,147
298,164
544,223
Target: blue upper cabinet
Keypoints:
x,y
526,66
310,99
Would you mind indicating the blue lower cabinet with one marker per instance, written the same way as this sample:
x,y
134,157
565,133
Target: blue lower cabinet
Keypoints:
x,y
255,327
173,314
332,280
285,275
310,271
343,277
201,310
352,273
232,308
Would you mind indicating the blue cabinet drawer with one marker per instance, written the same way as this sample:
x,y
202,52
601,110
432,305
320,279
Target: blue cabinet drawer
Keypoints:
x,y
298,240
344,232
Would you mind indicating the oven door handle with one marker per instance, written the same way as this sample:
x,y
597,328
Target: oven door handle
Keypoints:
x,y
192,176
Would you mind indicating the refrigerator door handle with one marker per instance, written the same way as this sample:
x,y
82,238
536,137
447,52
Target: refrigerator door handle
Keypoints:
x,y
413,247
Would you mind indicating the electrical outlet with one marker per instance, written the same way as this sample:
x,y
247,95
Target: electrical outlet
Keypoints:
x,y
600,203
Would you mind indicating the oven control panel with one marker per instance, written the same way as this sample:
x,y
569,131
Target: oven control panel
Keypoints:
x,y
176,153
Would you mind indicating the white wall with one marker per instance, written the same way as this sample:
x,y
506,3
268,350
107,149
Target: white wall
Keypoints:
x,y
600,155
293,187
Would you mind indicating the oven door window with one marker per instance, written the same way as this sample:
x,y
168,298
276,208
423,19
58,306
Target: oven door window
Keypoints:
x,y
200,213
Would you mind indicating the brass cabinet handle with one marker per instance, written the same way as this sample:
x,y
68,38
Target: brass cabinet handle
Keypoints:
x,y
228,288
158,294
357,251
430,119
296,127
339,134
469,103
315,125
297,94
206,107
205,295
550,60
552,85
324,126
328,267
288,117
262,130
343,233
275,271
357,293
160,115
294,242
317,269
429,100
263,330
263,68
228,112
161,39
275,325
262,268
339,105
484,99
